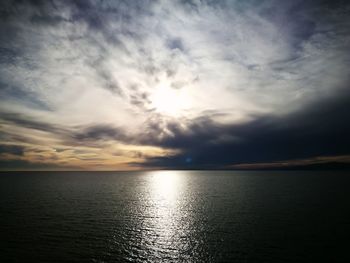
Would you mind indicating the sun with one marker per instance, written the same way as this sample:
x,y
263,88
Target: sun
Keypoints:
x,y
170,101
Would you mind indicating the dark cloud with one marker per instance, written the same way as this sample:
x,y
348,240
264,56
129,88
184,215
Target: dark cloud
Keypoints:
x,y
98,15
22,96
12,149
141,100
319,130
100,132
41,13
47,20
24,121
18,165
108,81
9,56
176,43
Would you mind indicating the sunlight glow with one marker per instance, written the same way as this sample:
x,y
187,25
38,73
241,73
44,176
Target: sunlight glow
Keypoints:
x,y
170,101
164,212
166,185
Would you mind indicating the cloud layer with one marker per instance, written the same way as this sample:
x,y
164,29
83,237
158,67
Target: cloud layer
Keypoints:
x,y
172,84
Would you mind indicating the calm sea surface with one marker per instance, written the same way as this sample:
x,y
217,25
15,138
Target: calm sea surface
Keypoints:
x,y
175,216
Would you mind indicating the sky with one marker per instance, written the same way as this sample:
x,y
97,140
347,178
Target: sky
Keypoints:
x,y
133,85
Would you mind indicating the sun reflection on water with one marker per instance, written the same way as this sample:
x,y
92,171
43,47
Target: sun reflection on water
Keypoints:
x,y
164,210
165,186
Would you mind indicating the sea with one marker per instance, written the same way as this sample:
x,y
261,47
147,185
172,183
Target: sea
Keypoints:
x,y
175,216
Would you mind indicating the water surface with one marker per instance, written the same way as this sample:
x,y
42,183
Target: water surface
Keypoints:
x,y
175,216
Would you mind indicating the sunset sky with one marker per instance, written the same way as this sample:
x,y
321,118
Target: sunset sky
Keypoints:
x,y
127,85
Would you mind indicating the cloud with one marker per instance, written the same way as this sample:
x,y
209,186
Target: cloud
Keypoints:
x,y
11,149
23,121
319,130
23,165
255,76
100,132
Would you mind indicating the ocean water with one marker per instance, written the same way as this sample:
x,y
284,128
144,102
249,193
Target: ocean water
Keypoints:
x,y
175,216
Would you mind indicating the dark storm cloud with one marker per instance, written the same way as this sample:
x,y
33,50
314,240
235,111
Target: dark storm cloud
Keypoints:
x,y
320,130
